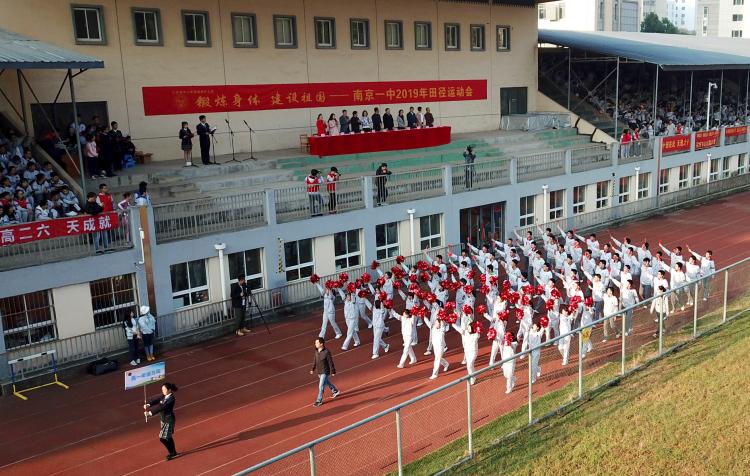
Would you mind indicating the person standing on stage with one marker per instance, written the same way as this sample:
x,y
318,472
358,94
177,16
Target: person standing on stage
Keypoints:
x,y
411,119
333,125
377,121
380,180
312,183
204,132
166,410
238,294
388,120
323,365
344,122
186,144
469,158
429,119
331,179
321,126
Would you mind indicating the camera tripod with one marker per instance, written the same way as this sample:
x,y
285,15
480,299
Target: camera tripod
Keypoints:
x,y
252,303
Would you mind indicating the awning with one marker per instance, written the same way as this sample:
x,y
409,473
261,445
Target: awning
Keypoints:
x,y
671,52
20,52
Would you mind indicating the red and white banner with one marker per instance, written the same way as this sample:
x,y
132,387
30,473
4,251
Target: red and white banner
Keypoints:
x,y
735,131
167,100
58,228
674,144
707,139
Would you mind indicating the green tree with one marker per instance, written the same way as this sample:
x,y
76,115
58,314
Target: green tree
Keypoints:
x,y
653,24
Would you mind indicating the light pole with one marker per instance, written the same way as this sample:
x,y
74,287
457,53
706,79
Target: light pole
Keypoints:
x,y
637,183
545,217
708,109
708,170
411,213
220,247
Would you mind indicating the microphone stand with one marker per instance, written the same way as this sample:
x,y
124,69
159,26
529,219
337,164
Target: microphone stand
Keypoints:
x,y
252,157
231,140
213,149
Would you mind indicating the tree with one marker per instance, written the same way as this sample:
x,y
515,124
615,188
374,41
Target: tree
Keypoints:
x,y
653,24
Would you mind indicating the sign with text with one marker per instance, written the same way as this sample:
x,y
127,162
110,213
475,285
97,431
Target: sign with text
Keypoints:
x,y
57,228
145,375
166,100
675,144
706,139
735,131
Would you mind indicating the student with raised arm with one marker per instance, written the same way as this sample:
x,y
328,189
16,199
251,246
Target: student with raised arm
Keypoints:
x,y
707,270
378,327
388,284
408,327
437,340
591,243
499,326
644,251
534,339
660,306
677,279
470,341
566,325
611,306
553,314
544,276
329,311
675,256
514,274
351,317
524,327
438,261
647,279
628,298
508,350
568,236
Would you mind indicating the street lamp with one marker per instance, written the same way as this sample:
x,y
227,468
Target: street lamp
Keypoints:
x,y
411,212
637,183
708,109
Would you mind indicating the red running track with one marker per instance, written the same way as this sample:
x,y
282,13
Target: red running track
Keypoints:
x,y
244,400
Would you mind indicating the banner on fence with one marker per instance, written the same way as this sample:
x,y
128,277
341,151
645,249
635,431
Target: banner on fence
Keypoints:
x,y
57,228
166,100
735,131
706,139
674,144
145,375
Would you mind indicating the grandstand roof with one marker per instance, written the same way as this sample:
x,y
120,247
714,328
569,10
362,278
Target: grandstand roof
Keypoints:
x,y
20,52
671,52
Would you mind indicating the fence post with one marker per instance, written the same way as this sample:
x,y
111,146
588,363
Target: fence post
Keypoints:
x,y
367,190
270,208
513,170
661,329
469,434
311,451
695,310
568,161
580,363
448,179
528,363
398,443
726,287
622,359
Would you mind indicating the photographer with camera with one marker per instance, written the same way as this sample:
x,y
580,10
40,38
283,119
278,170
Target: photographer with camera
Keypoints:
x,y
331,179
469,158
313,182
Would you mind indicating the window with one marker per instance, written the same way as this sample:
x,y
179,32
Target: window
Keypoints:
x,y
697,173
429,232
325,33
112,299
705,10
713,172
602,194
664,181
477,37
298,259
503,38
189,283
725,162
741,164
643,185
244,31
560,11
249,264
360,32
394,35
684,176
285,31
88,25
452,37
542,12
147,26
196,28
736,33
386,240
737,17
556,204
422,35
347,250
734,2
28,319
526,214
624,195
579,199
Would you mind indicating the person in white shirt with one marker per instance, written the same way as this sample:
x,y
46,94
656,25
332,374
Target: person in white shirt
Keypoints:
x,y
329,311
499,326
437,339
378,327
678,279
647,279
509,366
566,325
675,256
470,341
707,270
534,339
147,326
351,316
611,306
514,274
544,276
407,328
629,298
660,306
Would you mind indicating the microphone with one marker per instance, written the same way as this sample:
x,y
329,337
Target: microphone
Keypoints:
x,y
227,121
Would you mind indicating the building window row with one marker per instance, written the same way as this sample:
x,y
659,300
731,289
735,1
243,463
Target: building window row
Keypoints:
x,y
88,28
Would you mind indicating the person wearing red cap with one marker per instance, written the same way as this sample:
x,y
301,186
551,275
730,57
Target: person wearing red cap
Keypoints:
x,y
470,341
509,366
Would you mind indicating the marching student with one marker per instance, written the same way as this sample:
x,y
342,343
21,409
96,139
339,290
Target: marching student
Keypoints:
x,y
362,302
587,317
524,327
499,326
329,311
470,341
628,298
660,306
378,327
351,316
534,339
566,325
647,279
707,269
610,308
323,365
678,279
166,411
509,367
675,256
147,326
437,339
407,328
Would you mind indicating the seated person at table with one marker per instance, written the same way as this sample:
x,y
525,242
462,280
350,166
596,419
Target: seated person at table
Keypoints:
x,y
354,123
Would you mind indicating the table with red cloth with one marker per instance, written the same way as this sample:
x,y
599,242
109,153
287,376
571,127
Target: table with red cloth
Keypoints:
x,y
379,141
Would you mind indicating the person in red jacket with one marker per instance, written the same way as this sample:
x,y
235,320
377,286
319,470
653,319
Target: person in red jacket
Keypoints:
x,y
320,124
312,184
104,199
331,179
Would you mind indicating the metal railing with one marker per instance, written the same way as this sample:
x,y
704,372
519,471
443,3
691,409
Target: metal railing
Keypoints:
x,y
636,151
295,203
63,249
537,166
484,174
589,158
407,431
205,216
407,186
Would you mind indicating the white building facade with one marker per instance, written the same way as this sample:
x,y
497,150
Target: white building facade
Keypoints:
x,y
591,15
723,18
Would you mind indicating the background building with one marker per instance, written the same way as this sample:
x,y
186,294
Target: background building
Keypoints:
x,y
727,18
682,14
590,15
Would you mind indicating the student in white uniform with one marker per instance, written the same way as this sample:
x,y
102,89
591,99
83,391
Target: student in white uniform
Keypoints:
x,y
351,316
407,328
378,327
470,341
329,311
509,367
660,306
534,338
647,279
566,325
707,269
499,326
587,317
437,338
628,298
677,279
611,306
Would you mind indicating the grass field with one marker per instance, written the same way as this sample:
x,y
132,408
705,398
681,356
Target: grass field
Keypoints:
x,y
684,414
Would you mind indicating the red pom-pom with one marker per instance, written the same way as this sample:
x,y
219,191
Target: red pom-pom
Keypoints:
x,y
414,288
388,304
555,293
413,278
467,309
351,287
374,265
445,284
572,309
424,277
397,285
503,315
314,278
526,300
395,270
434,269
539,289
519,314
481,309
343,277
482,278
330,284
484,289
468,289
362,293
528,289
358,283
506,285
505,295
422,265
366,278
549,305
442,315
589,301
450,306
400,259
476,327
380,282
544,321
452,318
493,280
491,333
513,297
508,338
452,269
430,298
382,296
470,275
421,294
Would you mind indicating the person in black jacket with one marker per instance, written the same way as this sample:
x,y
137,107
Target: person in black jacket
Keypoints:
x,y
166,409
323,365
388,120
380,179
411,119
354,123
204,132
377,121
100,238
239,301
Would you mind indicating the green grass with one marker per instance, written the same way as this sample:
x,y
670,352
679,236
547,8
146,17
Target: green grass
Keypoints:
x,y
667,418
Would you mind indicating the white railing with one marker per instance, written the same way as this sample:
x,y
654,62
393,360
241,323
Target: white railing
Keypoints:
x,y
537,166
295,203
589,158
479,175
407,186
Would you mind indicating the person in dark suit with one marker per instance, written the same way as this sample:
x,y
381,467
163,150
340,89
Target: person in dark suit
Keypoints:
x,y
377,121
116,140
411,119
204,132
239,302
388,120
166,410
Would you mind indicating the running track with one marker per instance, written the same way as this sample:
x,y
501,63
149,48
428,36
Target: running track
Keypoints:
x,y
243,400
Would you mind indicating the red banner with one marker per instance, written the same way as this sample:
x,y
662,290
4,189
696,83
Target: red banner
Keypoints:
x,y
735,131
706,139
166,100
60,227
674,144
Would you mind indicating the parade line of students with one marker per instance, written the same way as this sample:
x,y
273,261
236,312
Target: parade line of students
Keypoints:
x,y
542,289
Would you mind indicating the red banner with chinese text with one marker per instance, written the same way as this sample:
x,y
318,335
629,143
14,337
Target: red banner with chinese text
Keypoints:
x,y
166,100
706,139
674,144
58,228
735,131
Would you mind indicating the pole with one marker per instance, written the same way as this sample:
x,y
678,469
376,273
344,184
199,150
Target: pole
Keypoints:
x,y
398,443
656,95
747,90
708,107
622,359
78,132
23,103
145,401
469,434
545,218
721,93
528,364
311,451
637,183
220,247
617,94
661,326
695,310
411,213
726,287
569,79
690,104
580,364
